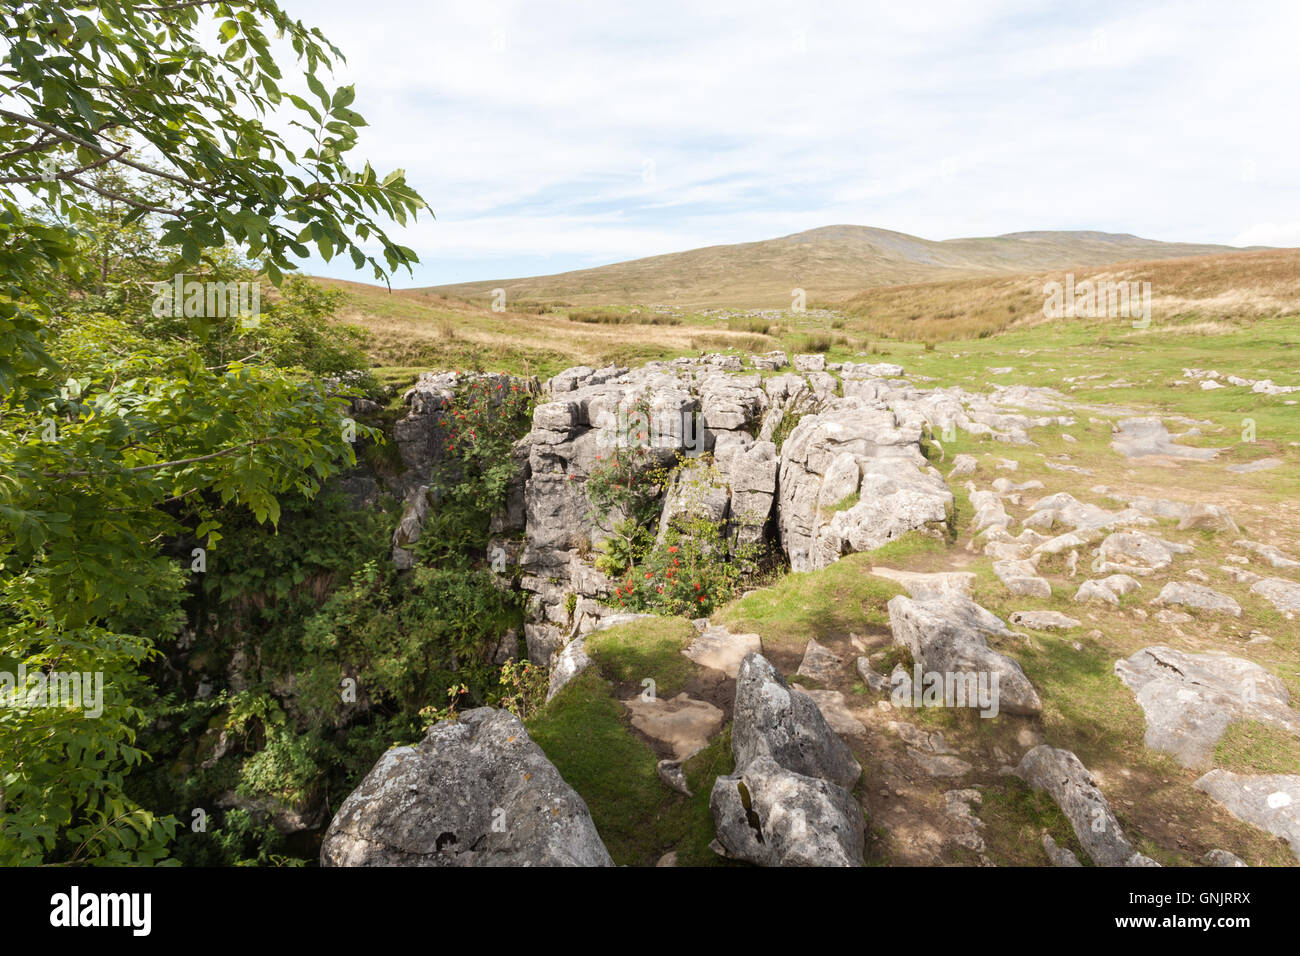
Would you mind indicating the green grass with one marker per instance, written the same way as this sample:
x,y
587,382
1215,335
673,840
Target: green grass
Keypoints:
x,y
838,599
584,733
1015,819
629,653
1248,746
844,504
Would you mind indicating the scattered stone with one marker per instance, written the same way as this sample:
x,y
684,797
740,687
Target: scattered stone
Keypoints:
x,y
1269,553
1198,596
1207,518
940,765
1021,579
957,806
872,678
1043,620
1139,437
1058,855
1281,593
832,705
671,773
947,635
1222,858
770,361
963,465
1264,464
1135,552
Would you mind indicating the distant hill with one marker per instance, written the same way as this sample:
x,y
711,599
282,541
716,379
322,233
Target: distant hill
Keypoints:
x,y
829,264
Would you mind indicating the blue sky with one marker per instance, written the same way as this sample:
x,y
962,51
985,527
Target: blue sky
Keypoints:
x,y
549,136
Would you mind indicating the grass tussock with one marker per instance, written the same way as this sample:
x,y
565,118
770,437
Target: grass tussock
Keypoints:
x,y
613,317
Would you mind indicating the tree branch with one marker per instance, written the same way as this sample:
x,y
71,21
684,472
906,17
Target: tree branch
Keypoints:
x,y
95,147
109,194
164,464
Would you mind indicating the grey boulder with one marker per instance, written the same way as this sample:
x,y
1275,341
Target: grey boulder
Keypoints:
x,y
947,634
475,791
772,816
772,719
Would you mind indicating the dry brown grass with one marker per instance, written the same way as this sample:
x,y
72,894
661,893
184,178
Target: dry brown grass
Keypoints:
x,y
415,328
1205,294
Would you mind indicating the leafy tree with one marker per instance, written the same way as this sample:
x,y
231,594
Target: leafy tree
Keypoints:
x,y
114,441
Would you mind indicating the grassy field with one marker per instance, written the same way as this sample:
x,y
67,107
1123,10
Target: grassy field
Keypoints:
x,y
1205,298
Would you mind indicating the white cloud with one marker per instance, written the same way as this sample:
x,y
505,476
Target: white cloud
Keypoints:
x,y
527,125
1286,234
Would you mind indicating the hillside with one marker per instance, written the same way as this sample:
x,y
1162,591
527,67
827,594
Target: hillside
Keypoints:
x,y
829,263
414,329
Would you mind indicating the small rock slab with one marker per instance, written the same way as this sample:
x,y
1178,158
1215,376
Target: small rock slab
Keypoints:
x,y
1021,579
1059,855
1222,858
948,635
719,649
1264,464
1139,437
819,663
1135,552
1044,620
1069,783
1198,596
1281,593
684,724
919,584
832,705
1274,556
870,676
940,765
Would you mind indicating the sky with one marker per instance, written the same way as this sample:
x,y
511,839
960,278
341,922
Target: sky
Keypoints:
x,y
549,136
